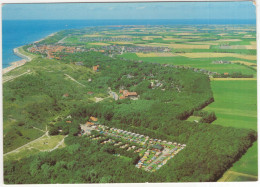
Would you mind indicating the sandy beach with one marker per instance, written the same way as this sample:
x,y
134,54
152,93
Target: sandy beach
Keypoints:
x,y
14,65
23,56
17,63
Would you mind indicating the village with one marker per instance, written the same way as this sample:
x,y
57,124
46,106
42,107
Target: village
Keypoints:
x,y
104,39
154,153
51,50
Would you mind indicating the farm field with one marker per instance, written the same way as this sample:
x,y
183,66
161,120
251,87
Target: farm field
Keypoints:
x,y
202,63
236,106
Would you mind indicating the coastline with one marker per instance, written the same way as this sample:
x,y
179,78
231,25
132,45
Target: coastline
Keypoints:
x,y
23,56
17,63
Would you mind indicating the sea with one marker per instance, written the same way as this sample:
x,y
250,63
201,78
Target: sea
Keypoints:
x,y
16,33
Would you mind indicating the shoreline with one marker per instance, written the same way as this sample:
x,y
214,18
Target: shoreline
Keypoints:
x,y
17,63
24,59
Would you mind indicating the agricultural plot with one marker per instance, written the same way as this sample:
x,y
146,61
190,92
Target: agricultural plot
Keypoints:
x,y
234,105
201,63
102,44
218,55
237,107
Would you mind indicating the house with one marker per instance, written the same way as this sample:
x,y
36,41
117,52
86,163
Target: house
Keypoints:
x,y
89,123
68,121
95,68
93,118
225,73
122,97
127,94
66,95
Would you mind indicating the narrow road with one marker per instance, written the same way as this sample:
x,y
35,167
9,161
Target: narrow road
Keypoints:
x,y
74,80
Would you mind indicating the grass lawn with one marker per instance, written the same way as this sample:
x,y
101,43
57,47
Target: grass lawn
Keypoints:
x,y
43,144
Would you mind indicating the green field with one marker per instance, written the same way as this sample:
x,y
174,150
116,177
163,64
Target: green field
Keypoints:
x,y
201,63
236,106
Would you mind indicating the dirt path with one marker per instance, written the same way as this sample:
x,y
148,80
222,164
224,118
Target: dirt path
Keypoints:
x,y
39,129
61,41
9,78
15,150
74,80
61,142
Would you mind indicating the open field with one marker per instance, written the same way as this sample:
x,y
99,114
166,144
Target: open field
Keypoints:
x,y
92,35
233,79
202,63
239,47
151,37
245,63
155,54
122,43
214,55
43,144
176,46
236,176
99,43
236,106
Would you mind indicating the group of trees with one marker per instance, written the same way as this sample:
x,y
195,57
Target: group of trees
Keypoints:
x,y
233,75
206,117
